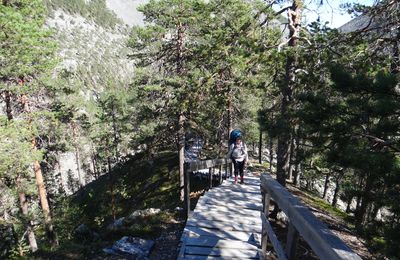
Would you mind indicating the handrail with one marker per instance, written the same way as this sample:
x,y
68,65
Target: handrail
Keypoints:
x,y
190,167
301,222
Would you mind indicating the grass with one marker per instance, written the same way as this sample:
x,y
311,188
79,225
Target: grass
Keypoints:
x,y
319,203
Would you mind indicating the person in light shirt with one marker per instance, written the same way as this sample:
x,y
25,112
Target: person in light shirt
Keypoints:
x,y
238,154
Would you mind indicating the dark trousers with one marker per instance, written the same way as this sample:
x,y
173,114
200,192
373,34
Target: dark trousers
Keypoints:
x,y
238,166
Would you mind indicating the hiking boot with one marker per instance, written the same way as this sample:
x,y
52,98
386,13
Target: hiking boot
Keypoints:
x,y
235,179
241,180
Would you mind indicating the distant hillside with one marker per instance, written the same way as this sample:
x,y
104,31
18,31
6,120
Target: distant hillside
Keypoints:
x,y
126,10
91,38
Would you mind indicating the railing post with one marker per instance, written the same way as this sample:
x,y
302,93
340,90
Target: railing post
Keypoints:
x,y
264,234
226,169
187,188
267,202
210,175
292,241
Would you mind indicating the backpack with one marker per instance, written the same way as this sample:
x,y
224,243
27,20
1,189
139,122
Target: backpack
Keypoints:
x,y
233,135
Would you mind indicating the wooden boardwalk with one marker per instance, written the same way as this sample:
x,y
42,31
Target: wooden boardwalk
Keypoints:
x,y
226,223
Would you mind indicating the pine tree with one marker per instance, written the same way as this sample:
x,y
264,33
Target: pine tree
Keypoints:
x,y
26,55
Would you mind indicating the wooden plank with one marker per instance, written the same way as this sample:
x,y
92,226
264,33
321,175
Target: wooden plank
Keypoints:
x,y
228,203
240,189
232,197
323,242
245,220
205,209
291,242
227,234
273,238
223,252
223,225
200,165
205,257
219,243
238,193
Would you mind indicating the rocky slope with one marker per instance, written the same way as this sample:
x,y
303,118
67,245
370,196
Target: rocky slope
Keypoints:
x,y
92,55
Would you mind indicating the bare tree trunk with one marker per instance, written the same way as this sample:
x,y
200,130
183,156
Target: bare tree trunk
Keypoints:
x,y
284,139
395,64
297,169
115,132
111,180
348,207
291,156
361,216
77,154
230,112
51,234
181,149
337,188
181,115
23,202
7,98
271,154
260,148
326,185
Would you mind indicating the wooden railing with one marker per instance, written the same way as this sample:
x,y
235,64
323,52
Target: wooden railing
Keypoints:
x,y
190,167
301,222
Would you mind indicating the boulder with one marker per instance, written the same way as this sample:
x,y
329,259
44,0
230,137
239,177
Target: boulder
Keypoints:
x,y
132,246
142,213
116,225
82,232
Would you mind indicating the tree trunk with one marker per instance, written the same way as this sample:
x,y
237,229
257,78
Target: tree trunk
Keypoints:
x,y
348,207
115,133
95,172
359,196
271,154
297,163
361,215
284,139
260,148
337,189
23,202
326,185
77,154
111,180
181,149
230,112
7,98
291,156
51,234
395,64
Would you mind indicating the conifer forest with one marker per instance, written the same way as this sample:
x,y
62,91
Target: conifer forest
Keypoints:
x,y
99,113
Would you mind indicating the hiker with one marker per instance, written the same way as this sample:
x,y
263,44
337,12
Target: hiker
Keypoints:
x,y
238,154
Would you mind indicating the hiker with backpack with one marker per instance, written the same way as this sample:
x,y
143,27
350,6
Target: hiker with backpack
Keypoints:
x,y
238,154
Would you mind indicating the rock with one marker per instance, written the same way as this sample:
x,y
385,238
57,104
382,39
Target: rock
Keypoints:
x,y
179,209
142,213
117,224
132,246
282,217
84,233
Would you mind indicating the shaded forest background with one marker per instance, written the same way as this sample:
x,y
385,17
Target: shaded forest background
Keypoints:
x,y
91,106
